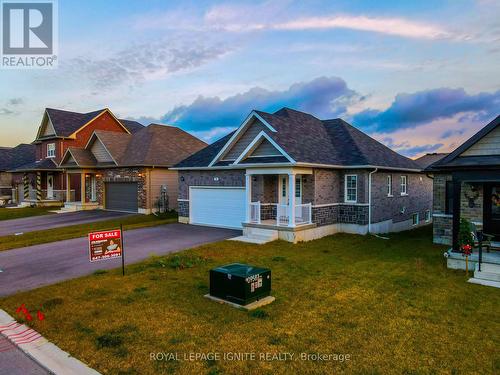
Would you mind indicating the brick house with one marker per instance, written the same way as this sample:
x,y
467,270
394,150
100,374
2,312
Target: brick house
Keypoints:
x,y
292,176
467,185
66,172
11,158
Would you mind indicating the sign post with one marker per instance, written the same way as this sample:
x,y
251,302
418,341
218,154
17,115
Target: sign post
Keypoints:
x,y
106,245
123,252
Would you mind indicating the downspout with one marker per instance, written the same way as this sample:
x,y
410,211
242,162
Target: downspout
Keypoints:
x,y
370,199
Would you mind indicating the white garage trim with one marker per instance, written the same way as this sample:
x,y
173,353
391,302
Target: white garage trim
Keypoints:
x,y
236,224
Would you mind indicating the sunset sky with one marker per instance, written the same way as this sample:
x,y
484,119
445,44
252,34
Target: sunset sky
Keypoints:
x,y
420,76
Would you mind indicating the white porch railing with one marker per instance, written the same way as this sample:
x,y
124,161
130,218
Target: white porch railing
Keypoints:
x,y
303,213
255,212
282,216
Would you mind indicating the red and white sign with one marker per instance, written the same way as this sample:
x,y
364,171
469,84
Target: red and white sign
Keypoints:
x,y
105,245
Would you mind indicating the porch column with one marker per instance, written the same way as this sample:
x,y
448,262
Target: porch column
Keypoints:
x,y
82,187
457,191
248,191
26,187
68,187
291,199
38,186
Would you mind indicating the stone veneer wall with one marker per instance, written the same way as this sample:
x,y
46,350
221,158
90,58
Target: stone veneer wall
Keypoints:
x,y
442,223
124,175
471,202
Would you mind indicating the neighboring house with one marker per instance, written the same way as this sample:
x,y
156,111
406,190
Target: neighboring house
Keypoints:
x,y
290,175
129,172
10,158
42,182
428,159
45,182
467,185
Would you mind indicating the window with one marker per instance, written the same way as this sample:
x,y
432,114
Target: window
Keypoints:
x,y
51,150
449,198
389,185
404,185
351,188
298,187
415,219
427,216
283,188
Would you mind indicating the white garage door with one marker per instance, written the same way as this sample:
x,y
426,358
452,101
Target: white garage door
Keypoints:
x,y
218,207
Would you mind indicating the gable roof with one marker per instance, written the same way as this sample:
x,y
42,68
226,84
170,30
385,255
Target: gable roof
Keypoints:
x,y
154,145
66,123
308,140
13,157
429,159
453,159
47,164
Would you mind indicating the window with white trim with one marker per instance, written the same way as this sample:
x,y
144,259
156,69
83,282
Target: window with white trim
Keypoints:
x,y
415,219
427,216
404,185
389,185
51,150
351,188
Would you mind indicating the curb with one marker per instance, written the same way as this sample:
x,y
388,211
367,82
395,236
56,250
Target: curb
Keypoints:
x,y
40,349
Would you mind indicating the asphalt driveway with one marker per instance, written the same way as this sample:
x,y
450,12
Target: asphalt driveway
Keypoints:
x,y
34,266
30,224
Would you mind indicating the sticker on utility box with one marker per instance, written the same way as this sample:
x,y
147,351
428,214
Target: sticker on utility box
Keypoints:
x,y
105,245
255,282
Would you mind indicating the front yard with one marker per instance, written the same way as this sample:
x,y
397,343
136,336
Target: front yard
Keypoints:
x,y
390,304
17,213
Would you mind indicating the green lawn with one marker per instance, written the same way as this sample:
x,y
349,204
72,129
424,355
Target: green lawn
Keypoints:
x,y
391,304
17,213
80,230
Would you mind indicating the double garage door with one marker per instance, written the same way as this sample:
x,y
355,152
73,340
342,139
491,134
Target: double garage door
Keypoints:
x,y
218,207
121,196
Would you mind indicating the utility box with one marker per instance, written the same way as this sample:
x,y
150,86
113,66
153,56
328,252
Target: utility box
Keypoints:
x,y
240,283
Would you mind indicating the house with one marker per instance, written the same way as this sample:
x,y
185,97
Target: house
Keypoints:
x,y
467,185
430,158
63,136
10,158
292,176
129,172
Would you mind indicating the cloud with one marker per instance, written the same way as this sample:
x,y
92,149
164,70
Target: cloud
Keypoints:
x,y
5,112
325,97
391,26
412,110
15,101
452,132
416,150
142,62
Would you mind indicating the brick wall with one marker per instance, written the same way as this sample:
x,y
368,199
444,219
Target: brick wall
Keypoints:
x,y
124,175
442,226
209,178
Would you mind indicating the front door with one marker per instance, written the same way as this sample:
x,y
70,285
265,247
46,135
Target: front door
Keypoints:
x,y
50,186
492,209
93,188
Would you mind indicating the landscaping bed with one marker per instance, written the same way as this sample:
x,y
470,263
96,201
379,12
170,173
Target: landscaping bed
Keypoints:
x,y
391,305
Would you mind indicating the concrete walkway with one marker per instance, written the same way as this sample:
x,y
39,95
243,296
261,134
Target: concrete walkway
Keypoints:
x,y
30,224
34,266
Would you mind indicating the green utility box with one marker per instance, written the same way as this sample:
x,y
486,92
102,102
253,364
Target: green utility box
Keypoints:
x,y
240,283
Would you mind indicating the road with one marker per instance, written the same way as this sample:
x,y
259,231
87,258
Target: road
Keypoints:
x,y
30,224
34,266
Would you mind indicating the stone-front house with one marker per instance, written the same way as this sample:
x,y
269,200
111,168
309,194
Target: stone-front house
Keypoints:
x,y
95,160
467,185
130,172
290,175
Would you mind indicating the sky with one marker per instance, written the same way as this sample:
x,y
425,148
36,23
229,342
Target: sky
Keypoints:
x,y
419,76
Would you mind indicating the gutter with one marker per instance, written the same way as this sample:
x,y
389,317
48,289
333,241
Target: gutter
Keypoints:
x,y
370,199
307,165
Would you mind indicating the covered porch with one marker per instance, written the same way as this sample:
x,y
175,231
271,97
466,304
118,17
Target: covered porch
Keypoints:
x,y
41,188
278,197
87,197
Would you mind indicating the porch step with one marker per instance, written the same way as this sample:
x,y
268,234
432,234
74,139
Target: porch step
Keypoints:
x,y
254,239
494,284
489,271
257,235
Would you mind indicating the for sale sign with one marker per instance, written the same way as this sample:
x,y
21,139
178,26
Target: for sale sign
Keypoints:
x,y
105,245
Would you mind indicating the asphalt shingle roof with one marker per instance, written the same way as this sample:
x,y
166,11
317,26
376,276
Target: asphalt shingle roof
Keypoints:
x,y
310,140
47,164
429,159
11,158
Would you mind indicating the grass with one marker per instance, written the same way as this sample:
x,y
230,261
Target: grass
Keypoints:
x,y
80,230
17,213
391,304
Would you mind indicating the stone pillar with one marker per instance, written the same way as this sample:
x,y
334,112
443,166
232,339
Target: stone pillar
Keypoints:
x,y
291,199
38,186
248,191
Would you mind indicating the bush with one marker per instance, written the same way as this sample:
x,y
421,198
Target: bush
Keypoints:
x,y
464,233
